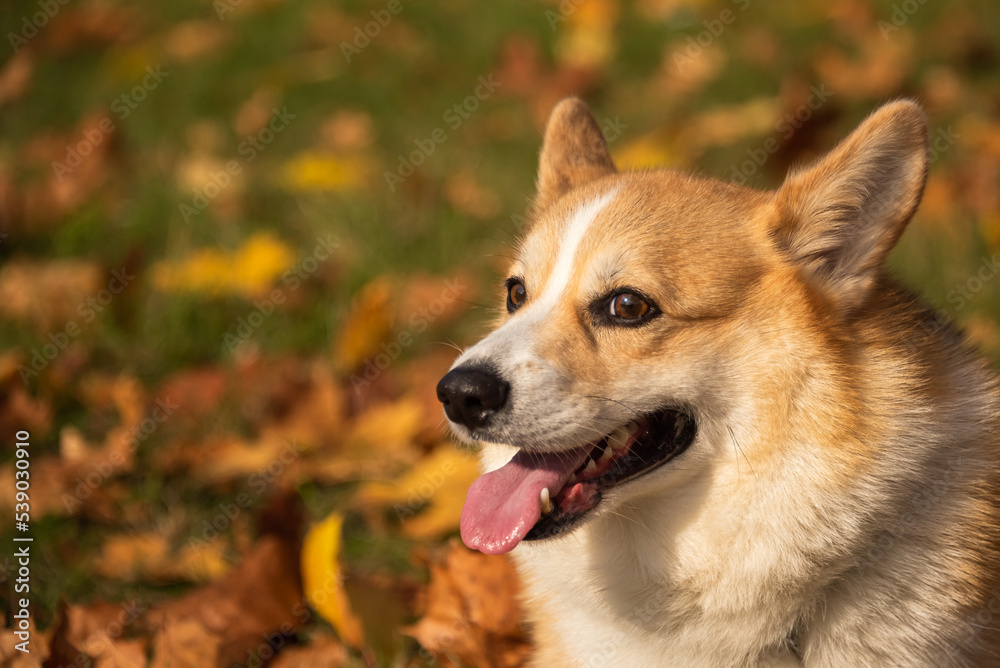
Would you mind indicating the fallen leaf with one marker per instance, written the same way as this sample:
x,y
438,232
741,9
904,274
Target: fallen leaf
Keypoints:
x,y
439,481
196,392
129,557
313,171
15,77
724,125
587,39
323,651
469,197
655,149
387,427
877,71
233,616
18,409
48,296
472,611
255,113
98,629
322,579
110,653
185,643
348,131
93,23
11,657
248,271
366,326
196,39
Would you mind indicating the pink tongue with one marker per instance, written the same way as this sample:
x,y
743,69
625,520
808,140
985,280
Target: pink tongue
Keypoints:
x,y
503,505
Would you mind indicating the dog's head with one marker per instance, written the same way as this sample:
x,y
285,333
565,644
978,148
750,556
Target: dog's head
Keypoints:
x,y
654,319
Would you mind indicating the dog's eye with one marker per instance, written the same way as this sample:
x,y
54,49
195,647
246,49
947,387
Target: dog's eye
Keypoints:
x,y
628,306
516,295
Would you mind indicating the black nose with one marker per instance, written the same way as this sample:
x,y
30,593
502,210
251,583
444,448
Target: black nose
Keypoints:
x,y
471,395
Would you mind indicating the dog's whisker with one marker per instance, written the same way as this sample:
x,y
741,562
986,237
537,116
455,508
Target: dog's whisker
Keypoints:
x,y
740,452
449,343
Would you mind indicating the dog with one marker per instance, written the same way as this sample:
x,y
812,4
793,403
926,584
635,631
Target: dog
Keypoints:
x,y
716,432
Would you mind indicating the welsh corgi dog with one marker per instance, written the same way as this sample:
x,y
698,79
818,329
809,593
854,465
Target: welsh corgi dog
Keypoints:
x,y
716,432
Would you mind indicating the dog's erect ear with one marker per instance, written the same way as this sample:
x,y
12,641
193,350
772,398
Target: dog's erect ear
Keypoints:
x,y
839,218
573,152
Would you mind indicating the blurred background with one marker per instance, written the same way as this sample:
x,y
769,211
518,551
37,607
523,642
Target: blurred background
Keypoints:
x,y
240,241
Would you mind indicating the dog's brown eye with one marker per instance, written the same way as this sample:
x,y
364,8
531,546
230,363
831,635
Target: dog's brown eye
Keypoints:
x,y
516,295
628,306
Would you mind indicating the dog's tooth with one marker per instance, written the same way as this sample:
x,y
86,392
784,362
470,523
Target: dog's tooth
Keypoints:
x,y
547,506
591,466
609,451
620,438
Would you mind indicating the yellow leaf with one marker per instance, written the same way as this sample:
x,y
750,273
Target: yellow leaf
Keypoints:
x,y
389,426
322,579
589,39
248,271
312,171
368,325
649,151
439,481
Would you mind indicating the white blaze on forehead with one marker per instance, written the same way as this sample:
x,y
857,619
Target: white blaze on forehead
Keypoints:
x,y
511,345
576,230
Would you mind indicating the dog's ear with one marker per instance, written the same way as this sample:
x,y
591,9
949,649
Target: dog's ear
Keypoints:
x,y
839,218
573,152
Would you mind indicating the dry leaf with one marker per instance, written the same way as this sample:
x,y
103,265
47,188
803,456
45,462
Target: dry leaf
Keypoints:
x,y
440,481
469,197
49,296
15,77
587,39
128,557
348,130
260,597
194,39
11,657
472,611
367,325
185,643
322,579
118,653
387,427
323,651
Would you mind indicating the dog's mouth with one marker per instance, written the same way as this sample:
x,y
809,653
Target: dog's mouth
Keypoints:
x,y
541,495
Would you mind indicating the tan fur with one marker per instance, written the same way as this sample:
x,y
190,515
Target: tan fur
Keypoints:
x,y
840,505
